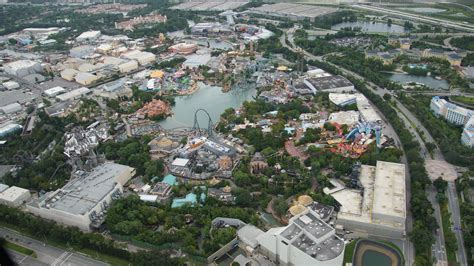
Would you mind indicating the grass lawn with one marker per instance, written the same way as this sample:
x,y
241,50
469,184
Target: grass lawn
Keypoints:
x,y
463,99
20,249
349,251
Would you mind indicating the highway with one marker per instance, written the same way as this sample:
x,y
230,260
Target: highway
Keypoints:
x,y
416,17
46,254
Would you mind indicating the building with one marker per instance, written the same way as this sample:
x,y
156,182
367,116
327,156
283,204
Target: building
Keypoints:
x,y
306,240
128,66
468,73
349,118
83,201
143,58
222,194
8,128
329,83
22,68
131,24
154,108
54,91
85,78
454,59
14,196
11,85
69,74
114,90
452,113
467,137
379,207
74,94
10,108
183,48
88,36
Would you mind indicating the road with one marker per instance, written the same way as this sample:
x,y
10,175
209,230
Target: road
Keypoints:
x,y
417,17
456,219
438,249
46,254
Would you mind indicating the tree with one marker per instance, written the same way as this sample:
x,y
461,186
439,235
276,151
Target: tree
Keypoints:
x,y
387,97
280,206
440,185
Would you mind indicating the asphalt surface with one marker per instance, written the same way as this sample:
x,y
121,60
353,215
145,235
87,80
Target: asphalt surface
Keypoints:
x,y
438,250
46,254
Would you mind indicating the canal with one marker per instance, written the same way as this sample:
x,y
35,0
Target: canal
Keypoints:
x,y
210,98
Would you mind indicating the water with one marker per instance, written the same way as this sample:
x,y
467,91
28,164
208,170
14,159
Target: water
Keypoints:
x,y
425,10
210,98
374,258
428,81
367,26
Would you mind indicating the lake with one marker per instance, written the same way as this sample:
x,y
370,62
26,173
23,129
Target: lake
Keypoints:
x,y
210,98
428,81
368,26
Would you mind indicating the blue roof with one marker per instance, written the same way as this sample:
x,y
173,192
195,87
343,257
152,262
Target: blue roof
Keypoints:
x,y
170,180
191,199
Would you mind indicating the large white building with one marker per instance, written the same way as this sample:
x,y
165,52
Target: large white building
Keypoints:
x,y
307,240
456,115
14,196
88,36
74,94
22,68
84,201
379,207
467,137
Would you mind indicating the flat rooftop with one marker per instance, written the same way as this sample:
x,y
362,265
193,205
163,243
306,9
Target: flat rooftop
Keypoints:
x,y
389,192
329,82
82,194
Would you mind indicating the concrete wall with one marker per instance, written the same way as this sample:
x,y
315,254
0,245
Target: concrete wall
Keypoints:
x,y
371,229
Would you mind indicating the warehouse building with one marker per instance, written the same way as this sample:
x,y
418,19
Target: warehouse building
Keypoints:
x,y
14,196
329,83
69,74
85,78
88,36
10,108
22,68
306,240
11,85
84,200
74,94
379,206
54,91
349,118
128,66
143,58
